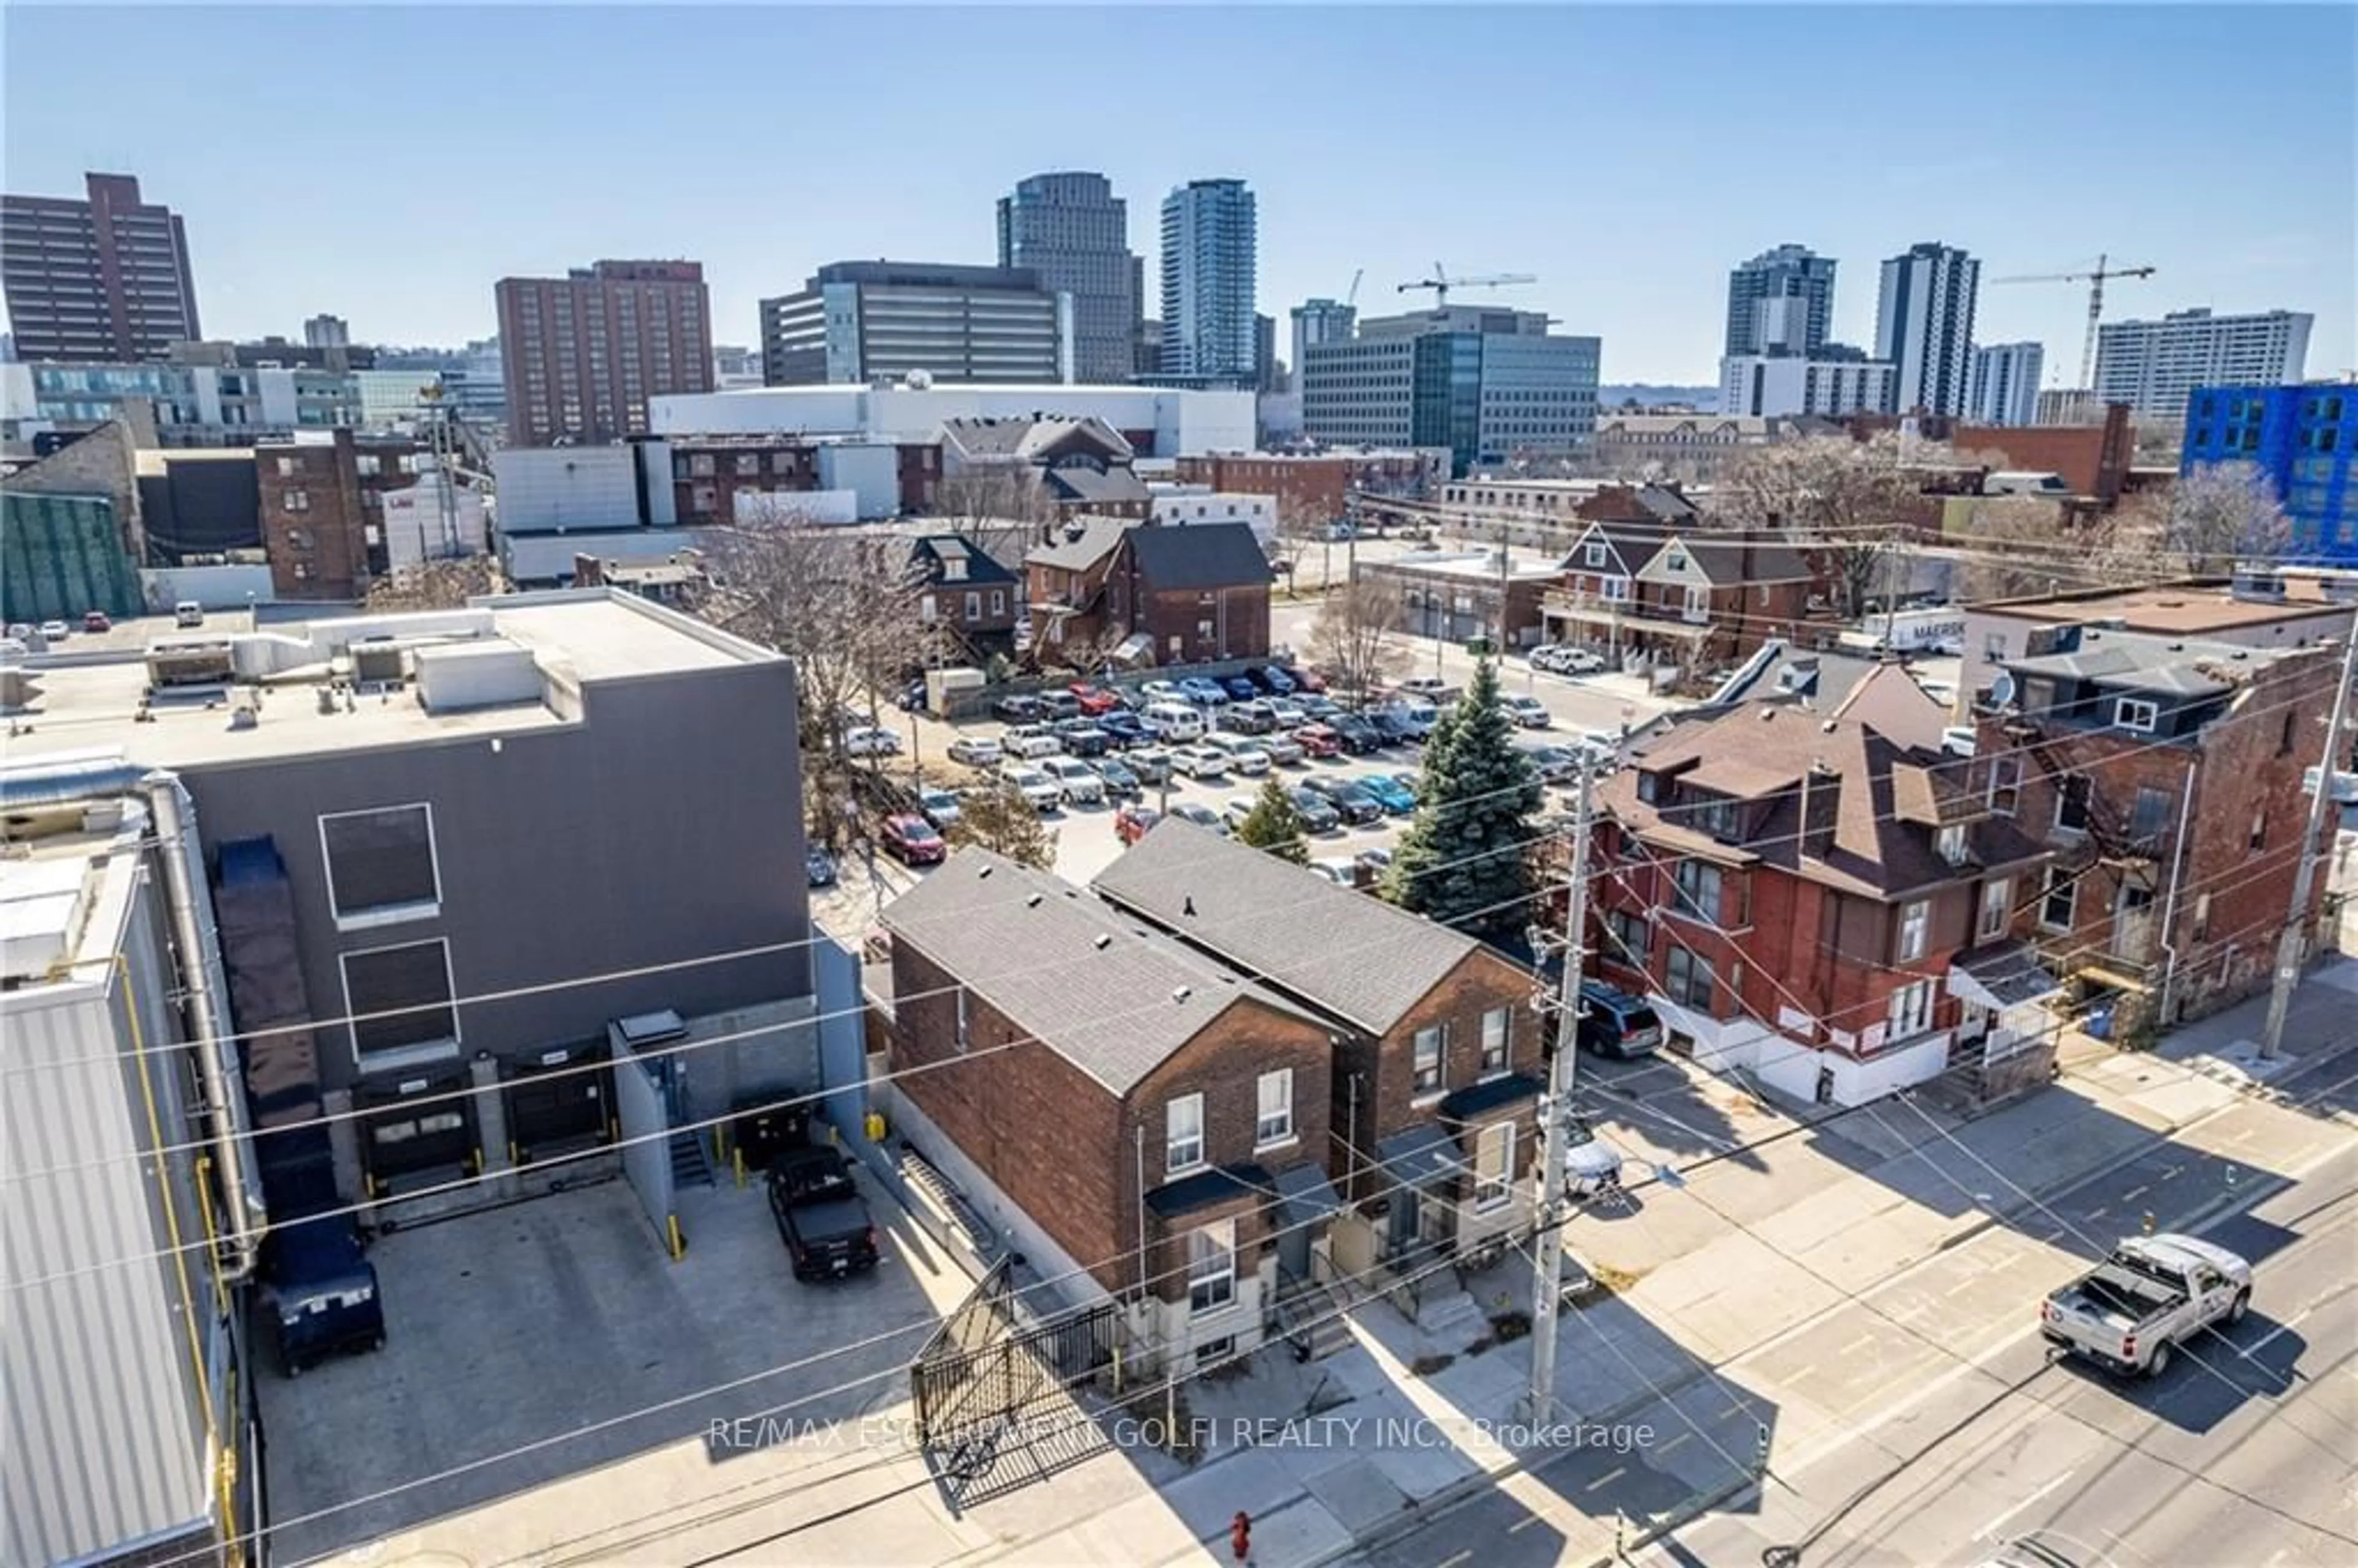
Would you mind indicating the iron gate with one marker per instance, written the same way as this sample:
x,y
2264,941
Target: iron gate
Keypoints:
x,y
990,1359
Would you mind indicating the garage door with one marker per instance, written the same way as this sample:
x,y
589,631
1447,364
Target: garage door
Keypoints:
x,y
559,1103
418,1133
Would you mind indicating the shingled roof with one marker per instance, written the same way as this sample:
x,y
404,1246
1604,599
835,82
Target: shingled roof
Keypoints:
x,y
1200,555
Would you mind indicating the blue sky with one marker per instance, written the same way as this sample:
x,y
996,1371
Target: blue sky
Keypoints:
x,y
388,164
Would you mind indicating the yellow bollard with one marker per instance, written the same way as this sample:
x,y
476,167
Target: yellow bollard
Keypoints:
x,y
875,1123
678,1242
737,1157
1117,1372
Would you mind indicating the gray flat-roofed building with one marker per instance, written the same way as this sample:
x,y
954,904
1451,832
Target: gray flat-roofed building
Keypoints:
x,y
853,322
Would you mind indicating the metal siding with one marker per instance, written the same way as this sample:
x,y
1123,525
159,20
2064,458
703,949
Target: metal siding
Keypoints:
x,y
106,1442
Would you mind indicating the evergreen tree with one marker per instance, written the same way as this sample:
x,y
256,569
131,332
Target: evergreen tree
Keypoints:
x,y
1465,860
1274,824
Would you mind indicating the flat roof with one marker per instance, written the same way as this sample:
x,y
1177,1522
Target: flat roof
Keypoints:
x,y
2186,607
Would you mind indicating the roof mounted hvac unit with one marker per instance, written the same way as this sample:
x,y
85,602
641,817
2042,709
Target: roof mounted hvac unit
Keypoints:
x,y
2257,584
377,664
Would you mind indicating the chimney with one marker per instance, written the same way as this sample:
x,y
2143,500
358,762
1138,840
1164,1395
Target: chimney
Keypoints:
x,y
1821,803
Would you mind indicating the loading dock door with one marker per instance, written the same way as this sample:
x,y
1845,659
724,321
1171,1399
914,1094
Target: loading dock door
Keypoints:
x,y
559,1103
416,1133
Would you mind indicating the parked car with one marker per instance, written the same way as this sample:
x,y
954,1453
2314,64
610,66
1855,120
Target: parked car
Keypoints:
x,y
1118,778
1018,708
1359,736
1178,721
819,867
1041,792
1200,815
1082,738
22,630
1372,863
1031,740
1244,754
870,740
1200,762
912,841
1122,728
1336,870
54,632
1233,812
1283,749
1615,1024
2154,1293
1317,740
1130,823
1317,813
1077,784
977,752
1528,711
1591,1166
1305,678
1564,659
1095,701
1151,764
1355,804
1162,691
1388,793
1202,691
1432,688
1239,689
1411,713
96,621
1316,708
820,1215
940,806
1395,729
1060,705
1250,717
1556,764
1273,679
1288,713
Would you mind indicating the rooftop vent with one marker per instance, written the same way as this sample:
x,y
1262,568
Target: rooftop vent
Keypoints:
x,y
1180,993
2339,587
1103,942
2256,585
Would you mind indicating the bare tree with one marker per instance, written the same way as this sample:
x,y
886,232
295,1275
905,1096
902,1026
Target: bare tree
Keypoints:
x,y
1849,503
1298,526
436,584
1356,639
999,819
983,499
2210,518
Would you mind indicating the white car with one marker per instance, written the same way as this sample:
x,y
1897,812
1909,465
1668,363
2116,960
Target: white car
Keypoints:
x,y
1282,749
1077,784
940,807
1033,742
976,751
1289,714
1590,1166
1528,711
1200,762
55,631
1162,691
1042,793
1246,754
870,740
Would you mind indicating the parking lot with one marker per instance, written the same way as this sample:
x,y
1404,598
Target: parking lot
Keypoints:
x,y
566,1315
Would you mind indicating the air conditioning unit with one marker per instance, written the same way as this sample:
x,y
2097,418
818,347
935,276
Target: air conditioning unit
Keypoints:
x,y
377,665
2257,584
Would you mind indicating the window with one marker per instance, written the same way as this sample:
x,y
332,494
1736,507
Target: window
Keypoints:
x,y
1426,1078
2005,785
1993,647
2056,898
2151,813
399,999
999,601
1494,1166
1688,979
1915,929
2259,840
1616,590
1997,909
1212,1267
2071,803
1275,1125
954,569
286,468
1596,555
973,606
1698,883
369,464
1183,1133
2135,713
1949,843
2202,916
1497,1026
381,866
1631,936
296,501
749,465
1912,1011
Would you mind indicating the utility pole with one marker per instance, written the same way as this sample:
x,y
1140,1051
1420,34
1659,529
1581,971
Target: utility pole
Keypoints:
x,y
2296,930
1547,1280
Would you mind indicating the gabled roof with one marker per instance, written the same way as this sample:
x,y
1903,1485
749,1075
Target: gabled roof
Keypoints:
x,y
1035,440
1199,556
1096,487
1356,958
1086,541
1726,561
1086,980
1632,544
934,550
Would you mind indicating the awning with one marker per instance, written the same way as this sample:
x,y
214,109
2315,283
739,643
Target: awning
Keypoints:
x,y
1206,1188
1421,1155
1471,1102
1306,1195
2001,978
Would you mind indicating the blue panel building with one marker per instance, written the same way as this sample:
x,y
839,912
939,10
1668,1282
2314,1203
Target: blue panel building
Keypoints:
x,y
2302,437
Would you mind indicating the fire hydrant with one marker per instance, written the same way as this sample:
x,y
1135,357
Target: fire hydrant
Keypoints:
x,y
1240,1536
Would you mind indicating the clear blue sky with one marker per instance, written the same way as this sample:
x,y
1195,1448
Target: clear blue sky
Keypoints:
x,y
388,164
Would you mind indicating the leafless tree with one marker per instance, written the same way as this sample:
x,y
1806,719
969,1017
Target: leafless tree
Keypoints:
x,y
1298,526
999,819
436,584
1355,638
1848,502
983,498
2210,518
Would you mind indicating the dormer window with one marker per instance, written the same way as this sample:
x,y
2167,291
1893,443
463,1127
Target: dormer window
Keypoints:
x,y
952,568
1720,818
1949,843
2136,713
1674,562
1596,555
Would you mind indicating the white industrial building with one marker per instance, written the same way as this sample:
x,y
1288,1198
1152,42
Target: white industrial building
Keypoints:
x,y
1163,422
1780,387
2152,366
1175,505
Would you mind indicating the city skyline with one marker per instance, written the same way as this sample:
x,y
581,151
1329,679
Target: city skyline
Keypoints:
x,y
2261,237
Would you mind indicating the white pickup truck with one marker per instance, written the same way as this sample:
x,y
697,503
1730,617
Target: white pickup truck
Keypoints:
x,y
2133,1310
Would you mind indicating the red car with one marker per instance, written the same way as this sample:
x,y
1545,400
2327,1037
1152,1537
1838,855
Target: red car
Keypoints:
x,y
1307,679
1130,823
1317,740
1094,700
96,621
911,839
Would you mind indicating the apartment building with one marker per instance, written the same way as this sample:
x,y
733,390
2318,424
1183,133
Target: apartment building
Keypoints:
x,y
1692,598
1210,253
1073,233
101,278
1924,327
2303,438
2005,386
2154,366
582,354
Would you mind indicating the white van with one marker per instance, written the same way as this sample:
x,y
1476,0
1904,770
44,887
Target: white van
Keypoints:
x,y
1176,721
187,613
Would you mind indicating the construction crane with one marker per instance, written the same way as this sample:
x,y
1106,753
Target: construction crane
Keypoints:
x,y
1351,301
2095,281
1441,283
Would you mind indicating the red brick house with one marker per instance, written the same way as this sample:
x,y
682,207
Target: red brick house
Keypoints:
x,y
1690,596
323,511
1150,1126
968,595
1437,1055
2167,773
1184,595
1824,901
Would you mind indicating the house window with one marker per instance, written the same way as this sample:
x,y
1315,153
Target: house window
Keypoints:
x,y
1674,562
2135,713
368,465
1688,979
1949,843
2056,899
2151,813
1993,647
973,606
2202,916
2071,803
1616,590
381,866
1698,883
296,501
1632,935
1275,1125
2005,785
1912,1011
1426,1078
749,465
1596,555
399,1000
1915,929
1494,1165
1997,907
2259,838
1497,1026
286,468
954,569
1183,1133
999,601
1212,1267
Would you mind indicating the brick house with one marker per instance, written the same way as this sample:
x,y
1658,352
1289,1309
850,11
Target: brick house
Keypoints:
x,y
1150,1126
969,595
1687,597
324,508
1822,901
2166,772
1438,1055
1164,595
709,472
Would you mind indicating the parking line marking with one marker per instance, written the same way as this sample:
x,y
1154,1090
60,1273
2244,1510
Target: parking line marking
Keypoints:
x,y
1523,1524
1674,1441
1738,1407
1607,1479
1862,1339
2134,1193
2097,1213
1454,1562
2168,1172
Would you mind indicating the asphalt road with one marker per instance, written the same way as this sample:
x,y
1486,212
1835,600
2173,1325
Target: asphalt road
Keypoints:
x,y
1920,1421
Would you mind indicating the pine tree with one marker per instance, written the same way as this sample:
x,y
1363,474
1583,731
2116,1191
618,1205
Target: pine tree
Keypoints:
x,y
1275,825
1465,860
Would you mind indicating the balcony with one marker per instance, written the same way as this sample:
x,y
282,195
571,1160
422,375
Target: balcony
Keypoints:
x,y
1597,610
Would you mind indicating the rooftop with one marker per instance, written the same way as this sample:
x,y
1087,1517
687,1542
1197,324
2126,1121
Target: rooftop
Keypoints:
x,y
2136,661
2193,607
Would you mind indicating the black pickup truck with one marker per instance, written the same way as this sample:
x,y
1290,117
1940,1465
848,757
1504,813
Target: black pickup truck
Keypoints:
x,y
821,1216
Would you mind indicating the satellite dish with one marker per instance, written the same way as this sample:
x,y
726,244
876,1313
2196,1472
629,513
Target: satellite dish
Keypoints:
x,y
2002,688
